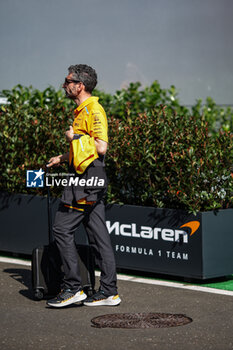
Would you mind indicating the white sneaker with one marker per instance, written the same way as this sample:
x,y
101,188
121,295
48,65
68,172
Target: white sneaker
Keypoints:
x,y
100,299
67,297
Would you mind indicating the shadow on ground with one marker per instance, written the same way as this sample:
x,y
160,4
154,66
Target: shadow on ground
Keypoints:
x,y
22,276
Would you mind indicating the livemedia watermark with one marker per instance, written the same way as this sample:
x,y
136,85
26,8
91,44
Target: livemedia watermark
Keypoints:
x,y
38,179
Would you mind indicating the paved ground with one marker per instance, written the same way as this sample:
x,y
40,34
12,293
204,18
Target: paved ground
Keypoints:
x,y
27,324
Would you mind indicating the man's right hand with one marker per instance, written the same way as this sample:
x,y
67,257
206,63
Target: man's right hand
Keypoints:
x,y
54,161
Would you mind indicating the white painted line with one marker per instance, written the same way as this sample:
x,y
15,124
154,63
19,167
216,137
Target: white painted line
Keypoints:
x,y
15,261
172,284
140,280
175,285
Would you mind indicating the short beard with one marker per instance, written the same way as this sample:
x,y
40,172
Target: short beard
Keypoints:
x,y
71,97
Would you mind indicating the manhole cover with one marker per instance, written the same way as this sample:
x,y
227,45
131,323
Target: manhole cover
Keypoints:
x,y
140,320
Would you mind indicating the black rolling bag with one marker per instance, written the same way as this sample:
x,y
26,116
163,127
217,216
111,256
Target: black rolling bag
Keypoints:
x,y
47,266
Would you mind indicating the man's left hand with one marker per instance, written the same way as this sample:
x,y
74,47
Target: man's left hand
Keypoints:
x,y
69,134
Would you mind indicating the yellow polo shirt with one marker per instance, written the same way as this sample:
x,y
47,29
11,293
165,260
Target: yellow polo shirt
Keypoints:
x,y
90,118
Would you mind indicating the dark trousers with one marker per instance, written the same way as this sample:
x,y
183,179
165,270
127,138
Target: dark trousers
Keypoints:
x,y
93,217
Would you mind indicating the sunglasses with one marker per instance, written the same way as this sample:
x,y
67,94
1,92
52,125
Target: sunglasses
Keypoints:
x,y
67,81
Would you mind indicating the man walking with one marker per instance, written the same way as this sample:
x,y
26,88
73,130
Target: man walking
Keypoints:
x,y
88,138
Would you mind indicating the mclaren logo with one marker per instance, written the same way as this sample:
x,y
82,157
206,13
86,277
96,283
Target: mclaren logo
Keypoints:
x,y
193,225
147,232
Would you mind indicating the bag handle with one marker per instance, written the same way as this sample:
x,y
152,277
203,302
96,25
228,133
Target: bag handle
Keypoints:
x,y
49,214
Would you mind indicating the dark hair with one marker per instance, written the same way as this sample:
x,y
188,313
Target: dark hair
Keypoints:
x,y
85,74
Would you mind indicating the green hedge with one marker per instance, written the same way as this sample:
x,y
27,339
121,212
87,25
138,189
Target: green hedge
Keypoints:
x,y
160,153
